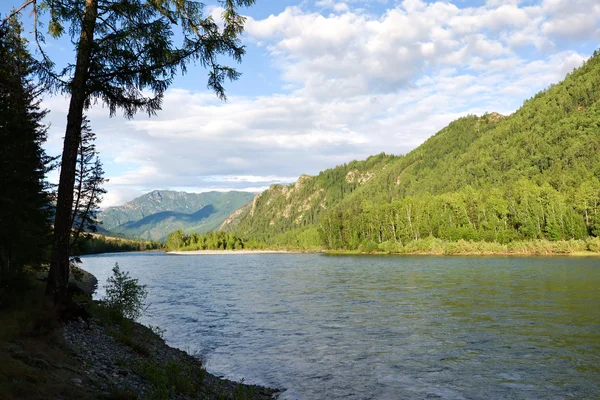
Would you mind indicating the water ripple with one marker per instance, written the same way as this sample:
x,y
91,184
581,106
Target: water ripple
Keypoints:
x,y
381,327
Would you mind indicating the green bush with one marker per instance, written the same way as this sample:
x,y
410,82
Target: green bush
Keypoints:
x,y
171,379
593,244
124,294
368,246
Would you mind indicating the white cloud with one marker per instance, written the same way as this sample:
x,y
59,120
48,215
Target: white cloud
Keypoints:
x,y
354,84
576,26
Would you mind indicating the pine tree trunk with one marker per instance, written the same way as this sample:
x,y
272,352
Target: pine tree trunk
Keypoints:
x,y
5,260
58,278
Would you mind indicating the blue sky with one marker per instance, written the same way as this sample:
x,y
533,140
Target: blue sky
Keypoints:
x,y
328,81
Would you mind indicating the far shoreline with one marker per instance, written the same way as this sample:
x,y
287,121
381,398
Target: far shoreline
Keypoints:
x,y
574,254
463,253
229,252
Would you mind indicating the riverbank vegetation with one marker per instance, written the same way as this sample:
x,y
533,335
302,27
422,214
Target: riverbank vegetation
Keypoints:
x,y
96,244
181,241
516,213
435,246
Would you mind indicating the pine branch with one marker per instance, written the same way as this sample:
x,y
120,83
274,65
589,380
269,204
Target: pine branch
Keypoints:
x,y
17,11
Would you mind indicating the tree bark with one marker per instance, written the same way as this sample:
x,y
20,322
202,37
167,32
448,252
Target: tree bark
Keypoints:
x,y
5,260
58,277
84,216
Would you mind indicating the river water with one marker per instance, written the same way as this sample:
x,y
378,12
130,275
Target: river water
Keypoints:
x,y
380,327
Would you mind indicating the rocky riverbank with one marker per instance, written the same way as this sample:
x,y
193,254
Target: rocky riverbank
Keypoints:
x,y
85,281
96,354
139,364
132,360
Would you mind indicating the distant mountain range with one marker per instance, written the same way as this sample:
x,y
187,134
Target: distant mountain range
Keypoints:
x,y
531,175
156,214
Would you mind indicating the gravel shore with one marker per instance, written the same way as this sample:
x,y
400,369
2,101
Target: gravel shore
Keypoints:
x,y
131,359
145,367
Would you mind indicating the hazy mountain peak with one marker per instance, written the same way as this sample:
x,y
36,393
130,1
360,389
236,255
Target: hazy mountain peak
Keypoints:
x,y
138,218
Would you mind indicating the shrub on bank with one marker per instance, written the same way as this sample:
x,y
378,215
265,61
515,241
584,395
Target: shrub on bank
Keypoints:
x,y
437,246
124,294
593,244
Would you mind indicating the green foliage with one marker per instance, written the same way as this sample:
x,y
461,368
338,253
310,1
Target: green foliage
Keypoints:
x,y
299,206
24,203
124,294
522,211
170,380
134,51
128,340
533,175
127,54
299,238
178,240
435,246
593,244
96,244
89,178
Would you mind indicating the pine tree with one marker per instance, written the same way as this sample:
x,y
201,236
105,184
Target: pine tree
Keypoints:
x,y
24,204
125,49
88,187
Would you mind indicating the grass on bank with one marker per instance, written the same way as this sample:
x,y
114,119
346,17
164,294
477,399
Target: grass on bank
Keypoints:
x,y
35,363
434,246
167,380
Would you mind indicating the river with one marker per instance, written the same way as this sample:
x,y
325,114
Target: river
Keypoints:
x,y
380,327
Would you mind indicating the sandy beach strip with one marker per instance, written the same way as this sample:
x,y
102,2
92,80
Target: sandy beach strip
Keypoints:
x,y
228,252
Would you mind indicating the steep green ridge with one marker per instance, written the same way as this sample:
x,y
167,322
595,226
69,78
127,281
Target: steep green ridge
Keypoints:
x,y
532,175
283,208
156,214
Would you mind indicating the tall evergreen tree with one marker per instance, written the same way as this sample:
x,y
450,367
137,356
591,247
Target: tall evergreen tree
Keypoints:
x,y
24,204
88,187
124,48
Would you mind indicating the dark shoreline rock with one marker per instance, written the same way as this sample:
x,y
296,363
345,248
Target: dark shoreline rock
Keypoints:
x,y
85,281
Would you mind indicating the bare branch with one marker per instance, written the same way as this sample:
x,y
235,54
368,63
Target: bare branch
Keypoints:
x,y
45,57
18,10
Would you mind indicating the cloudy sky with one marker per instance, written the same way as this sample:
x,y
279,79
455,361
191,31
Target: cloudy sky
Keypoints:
x,y
325,82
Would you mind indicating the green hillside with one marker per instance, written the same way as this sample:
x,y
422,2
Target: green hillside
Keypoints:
x,y
532,175
154,215
300,205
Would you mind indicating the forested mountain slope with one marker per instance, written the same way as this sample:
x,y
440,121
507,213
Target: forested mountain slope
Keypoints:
x,y
156,214
533,174
283,208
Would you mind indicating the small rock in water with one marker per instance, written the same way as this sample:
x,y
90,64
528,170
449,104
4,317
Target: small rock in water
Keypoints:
x,y
77,381
123,372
